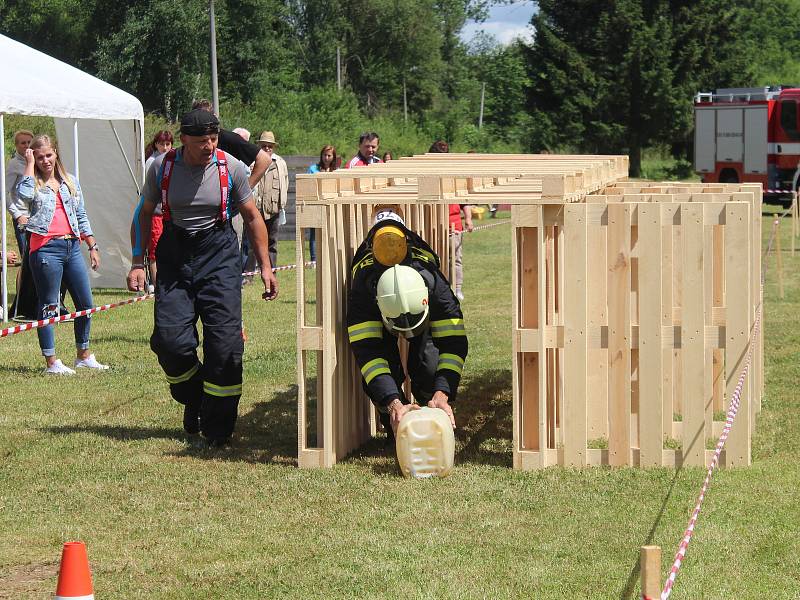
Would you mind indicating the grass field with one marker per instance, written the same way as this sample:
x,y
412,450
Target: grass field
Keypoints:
x,y
102,458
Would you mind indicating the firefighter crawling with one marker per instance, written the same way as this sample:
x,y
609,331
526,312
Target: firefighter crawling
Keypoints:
x,y
399,291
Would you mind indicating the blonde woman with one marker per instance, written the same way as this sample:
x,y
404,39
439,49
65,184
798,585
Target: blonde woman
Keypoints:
x,y
58,224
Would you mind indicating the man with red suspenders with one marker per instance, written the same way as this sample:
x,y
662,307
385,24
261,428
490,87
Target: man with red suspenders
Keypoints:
x,y
199,274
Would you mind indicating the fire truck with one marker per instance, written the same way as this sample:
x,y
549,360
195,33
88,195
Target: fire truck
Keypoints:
x,y
749,135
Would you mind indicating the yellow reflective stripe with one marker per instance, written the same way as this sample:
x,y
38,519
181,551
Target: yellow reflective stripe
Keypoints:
x,y
447,327
374,368
450,361
422,254
365,262
367,329
184,376
222,390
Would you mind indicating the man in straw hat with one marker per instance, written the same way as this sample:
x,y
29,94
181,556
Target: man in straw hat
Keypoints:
x,y
199,273
271,194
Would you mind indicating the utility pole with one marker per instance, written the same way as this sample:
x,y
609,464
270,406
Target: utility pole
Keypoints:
x,y
214,84
338,69
483,94
405,102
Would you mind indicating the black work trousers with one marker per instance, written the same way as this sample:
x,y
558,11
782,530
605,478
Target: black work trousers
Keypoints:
x,y
423,359
199,276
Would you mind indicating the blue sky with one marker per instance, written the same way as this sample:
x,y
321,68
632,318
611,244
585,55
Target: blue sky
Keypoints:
x,y
504,23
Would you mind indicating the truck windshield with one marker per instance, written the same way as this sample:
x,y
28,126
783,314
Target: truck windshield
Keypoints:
x,y
789,118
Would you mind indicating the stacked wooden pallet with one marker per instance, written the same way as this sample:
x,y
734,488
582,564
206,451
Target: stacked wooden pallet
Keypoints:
x,y
334,415
633,303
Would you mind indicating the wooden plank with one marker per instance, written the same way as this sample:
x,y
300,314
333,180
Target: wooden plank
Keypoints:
x,y
597,401
738,329
692,335
651,377
619,323
575,335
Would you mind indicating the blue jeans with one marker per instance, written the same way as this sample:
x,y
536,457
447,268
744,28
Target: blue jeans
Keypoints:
x,y
22,241
55,260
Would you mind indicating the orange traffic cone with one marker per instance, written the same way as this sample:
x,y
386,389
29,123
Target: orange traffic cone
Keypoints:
x,y
74,578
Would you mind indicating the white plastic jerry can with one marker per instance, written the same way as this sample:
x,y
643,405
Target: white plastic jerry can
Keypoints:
x,y
425,443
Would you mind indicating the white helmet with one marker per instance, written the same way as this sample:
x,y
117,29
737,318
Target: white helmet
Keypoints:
x,y
402,299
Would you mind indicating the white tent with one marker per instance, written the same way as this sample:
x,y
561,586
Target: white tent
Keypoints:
x,y
100,133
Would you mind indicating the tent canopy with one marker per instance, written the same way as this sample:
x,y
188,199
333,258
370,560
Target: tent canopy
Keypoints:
x,y
100,132
38,84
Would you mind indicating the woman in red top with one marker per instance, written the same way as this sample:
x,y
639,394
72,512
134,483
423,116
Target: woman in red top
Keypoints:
x,y
57,225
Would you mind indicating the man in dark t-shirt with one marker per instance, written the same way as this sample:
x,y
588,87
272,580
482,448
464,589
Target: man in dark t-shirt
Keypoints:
x,y
232,143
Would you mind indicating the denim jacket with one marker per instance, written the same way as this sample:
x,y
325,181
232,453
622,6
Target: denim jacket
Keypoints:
x,y
42,205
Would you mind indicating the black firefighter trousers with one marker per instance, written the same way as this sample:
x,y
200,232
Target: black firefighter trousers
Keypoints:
x,y
200,275
423,359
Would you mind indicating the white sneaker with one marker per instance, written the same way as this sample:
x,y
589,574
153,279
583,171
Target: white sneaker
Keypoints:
x,y
59,368
89,363
460,296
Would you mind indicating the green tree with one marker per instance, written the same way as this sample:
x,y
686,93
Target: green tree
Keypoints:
x,y
618,76
165,67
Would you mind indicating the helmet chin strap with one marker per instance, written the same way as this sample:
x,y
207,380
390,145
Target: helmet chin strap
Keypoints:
x,y
414,326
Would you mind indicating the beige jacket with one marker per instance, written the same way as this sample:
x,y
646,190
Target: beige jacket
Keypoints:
x,y
273,188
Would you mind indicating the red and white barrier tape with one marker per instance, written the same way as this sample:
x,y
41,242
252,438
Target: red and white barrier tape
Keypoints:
x,y
89,311
310,263
778,192
82,313
479,227
74,315
732,410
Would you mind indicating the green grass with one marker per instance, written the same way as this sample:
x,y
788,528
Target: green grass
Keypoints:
x,y
102,458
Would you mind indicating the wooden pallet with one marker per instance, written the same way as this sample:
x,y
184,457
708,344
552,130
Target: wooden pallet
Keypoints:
x,y
611,297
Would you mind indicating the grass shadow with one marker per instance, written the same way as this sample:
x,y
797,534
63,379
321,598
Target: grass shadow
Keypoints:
x,y
120,433
266,434
484,419
627,592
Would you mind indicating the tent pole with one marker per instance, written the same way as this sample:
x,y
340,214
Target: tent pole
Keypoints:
x,y
127,162
3,218
75,145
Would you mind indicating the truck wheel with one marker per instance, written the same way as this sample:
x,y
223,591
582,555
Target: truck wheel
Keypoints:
x,y
728,176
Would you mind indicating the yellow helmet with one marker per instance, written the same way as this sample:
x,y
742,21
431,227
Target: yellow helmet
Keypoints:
x,y
389,245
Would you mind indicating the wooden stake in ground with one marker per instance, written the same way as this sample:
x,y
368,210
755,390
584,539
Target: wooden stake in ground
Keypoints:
x,y
650,571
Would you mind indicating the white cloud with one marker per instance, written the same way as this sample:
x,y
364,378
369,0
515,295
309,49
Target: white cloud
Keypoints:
x,y
504,31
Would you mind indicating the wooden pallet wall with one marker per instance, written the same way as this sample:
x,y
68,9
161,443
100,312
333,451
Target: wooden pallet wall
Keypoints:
x,y
599,330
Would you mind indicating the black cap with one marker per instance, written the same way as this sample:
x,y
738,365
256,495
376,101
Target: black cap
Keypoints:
x,y
199,122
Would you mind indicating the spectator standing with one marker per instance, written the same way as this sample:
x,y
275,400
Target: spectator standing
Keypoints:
x,y
368,143
328,161
242,133
57,224
456,227
199,274
15,170
271,194
387,156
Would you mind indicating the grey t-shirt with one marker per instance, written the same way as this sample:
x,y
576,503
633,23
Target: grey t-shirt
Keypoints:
x,y
194,193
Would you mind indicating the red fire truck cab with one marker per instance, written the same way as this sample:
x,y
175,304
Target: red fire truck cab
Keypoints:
x,y
749,135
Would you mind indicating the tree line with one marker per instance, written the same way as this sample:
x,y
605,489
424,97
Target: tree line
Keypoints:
x,y
599,76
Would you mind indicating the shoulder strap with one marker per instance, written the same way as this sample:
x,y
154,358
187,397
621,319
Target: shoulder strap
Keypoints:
x,y
166,174
224,184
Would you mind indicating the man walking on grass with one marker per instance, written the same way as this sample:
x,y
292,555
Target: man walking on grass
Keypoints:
x,y
199,274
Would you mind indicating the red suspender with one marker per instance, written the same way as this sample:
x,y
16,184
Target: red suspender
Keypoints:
x,y
222,167
166,173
